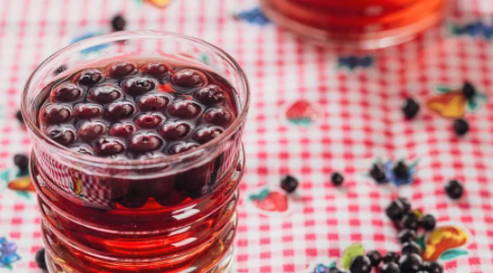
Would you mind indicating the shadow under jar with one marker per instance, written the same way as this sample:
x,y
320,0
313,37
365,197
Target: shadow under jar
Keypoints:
x,y
361,24
137,153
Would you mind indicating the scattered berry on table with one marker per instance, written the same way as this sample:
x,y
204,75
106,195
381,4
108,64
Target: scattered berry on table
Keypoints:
x,y
375,257
378,174
409,221
401,170
118,23
337,179
21,161
428,222
395,211
389,268
410,263
454,189
405,203
391,257
407,235
40,259
433,267
410,108
60,69
461,127
18,116
410,248
361,264
468,90
289,184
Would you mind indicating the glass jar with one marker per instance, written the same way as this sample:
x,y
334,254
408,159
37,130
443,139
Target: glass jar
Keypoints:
x,y
167,214
366,24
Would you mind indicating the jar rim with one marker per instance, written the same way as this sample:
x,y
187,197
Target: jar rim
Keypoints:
x,y
132,163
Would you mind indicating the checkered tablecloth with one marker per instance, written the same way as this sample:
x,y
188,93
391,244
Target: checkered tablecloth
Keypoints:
x,y
315,110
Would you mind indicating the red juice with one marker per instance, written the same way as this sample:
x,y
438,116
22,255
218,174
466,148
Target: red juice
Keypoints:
x,y
365,24
143,169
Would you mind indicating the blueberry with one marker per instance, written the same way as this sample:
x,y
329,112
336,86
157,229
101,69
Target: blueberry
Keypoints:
x,y
118,23
454,189
104,93
181,147
107,146
119,110
157,70
188,78
337,179
210,94
360,264
218,116
153,102
145,142
18,116
390,267
410,248
66,92
395,211
378,174
138,85
409,221
407,235
62,135
401,170
56,113
87,110
91,130
119,70
184,109
433,267
410,108
174,130
122,129
410,263
206,134
468,90
149,120
41,259
461,127
90,77
375,257
428,222
391,257
405,203
21,161
289,183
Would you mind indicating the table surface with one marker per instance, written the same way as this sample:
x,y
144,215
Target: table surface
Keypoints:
x,y
314,110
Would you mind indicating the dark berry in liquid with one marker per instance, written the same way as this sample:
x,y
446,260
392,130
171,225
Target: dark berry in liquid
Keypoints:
x,y
123,100
122,113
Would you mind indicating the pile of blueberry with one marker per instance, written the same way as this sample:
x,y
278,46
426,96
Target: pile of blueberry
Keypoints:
x,y
409,260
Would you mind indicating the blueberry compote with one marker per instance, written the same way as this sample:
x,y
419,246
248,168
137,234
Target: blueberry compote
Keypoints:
x,y
98,220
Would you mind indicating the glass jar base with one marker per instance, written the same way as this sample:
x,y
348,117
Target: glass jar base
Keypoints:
x,y
225,265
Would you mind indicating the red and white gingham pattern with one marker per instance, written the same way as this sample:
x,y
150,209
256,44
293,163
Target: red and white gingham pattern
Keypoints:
x,y
88,188
360,122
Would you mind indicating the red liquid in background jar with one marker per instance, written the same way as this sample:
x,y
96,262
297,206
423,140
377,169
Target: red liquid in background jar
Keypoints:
x,y
356,20
138,109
